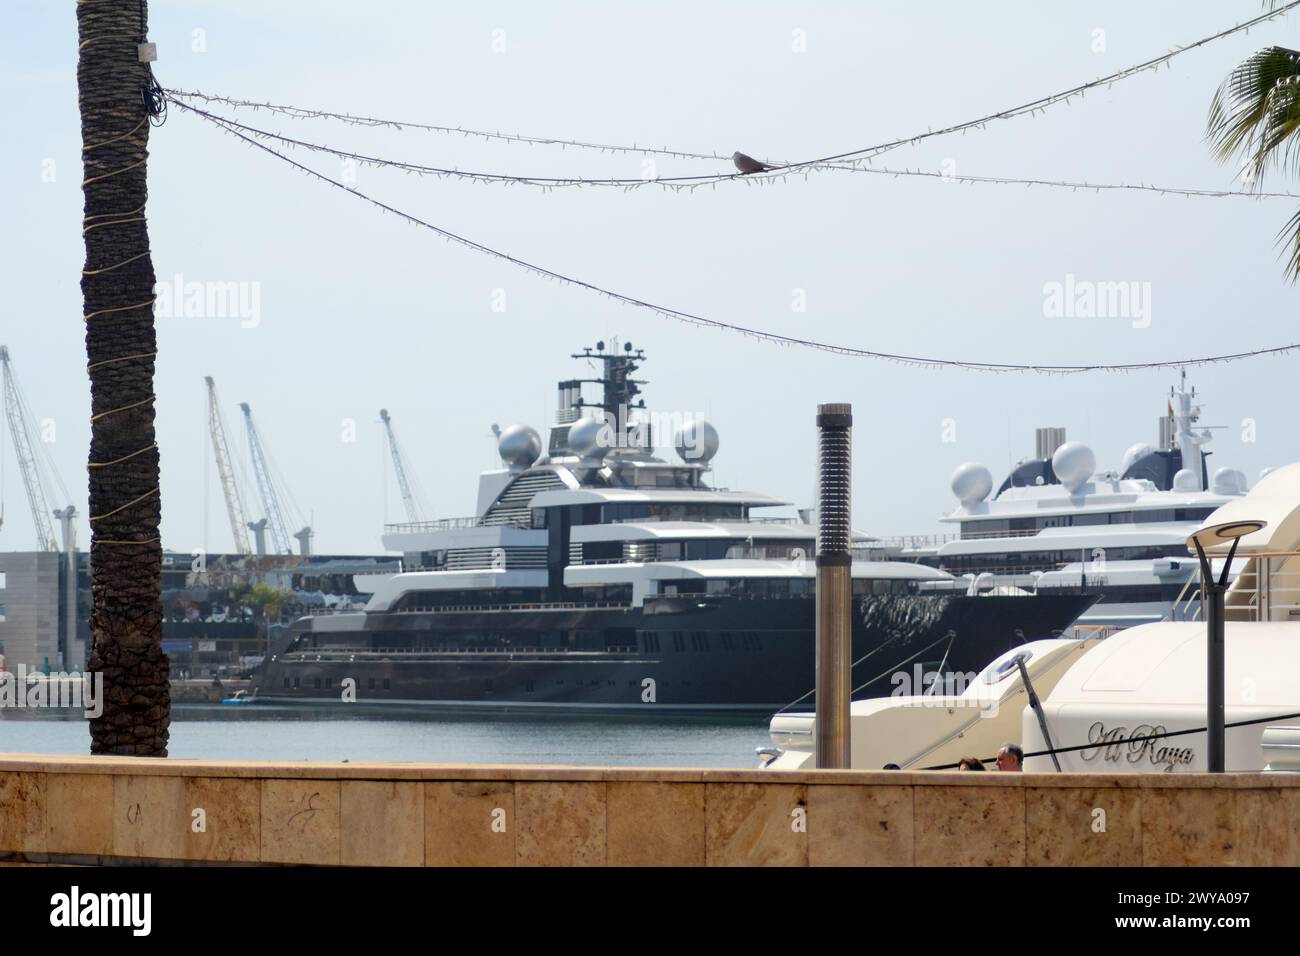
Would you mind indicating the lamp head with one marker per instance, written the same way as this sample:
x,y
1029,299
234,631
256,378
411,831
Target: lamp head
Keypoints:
x,y
1225,533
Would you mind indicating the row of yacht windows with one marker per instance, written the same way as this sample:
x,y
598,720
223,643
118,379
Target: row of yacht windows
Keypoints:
x,y
663,511
1140,594
614,640
1046,560
701,642
644,511
471,640
975,529
777,588
694,550
417,600
327,683
608,594
752,588
530,686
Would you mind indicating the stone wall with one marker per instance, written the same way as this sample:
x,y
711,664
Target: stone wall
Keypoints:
x,y
118,810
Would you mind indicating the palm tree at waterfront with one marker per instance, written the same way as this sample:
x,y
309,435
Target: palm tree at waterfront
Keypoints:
x,y
115,93
1255,119
266,602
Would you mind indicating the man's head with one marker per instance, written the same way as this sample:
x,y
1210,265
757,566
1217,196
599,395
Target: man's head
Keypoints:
x,y
1011,757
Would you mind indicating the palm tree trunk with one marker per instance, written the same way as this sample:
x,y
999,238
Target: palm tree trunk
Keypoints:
x,y
117,285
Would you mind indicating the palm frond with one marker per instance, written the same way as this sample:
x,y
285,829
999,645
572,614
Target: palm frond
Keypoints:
x,y
1255,114
1289,239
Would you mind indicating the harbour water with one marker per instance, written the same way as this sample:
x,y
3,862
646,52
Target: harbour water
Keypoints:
x,y
270,732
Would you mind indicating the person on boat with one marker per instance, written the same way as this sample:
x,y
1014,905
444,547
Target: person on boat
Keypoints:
x,y
970,763
1011,758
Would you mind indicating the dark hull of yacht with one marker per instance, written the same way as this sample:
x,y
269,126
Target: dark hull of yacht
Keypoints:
x,y
673,656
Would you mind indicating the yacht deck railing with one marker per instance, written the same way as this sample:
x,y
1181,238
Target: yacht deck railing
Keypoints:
x,y
451,524
472,608
348,654
526,606
914,542
478,521
1266,589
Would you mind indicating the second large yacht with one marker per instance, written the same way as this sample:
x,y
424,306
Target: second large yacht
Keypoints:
x,y
597,575
1058,521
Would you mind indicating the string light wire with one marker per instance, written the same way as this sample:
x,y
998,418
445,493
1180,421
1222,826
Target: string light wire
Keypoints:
x,y
853,156
757,334
679,182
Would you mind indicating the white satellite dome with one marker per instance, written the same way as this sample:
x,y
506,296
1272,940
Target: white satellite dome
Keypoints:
x,y
1229,481
1185,480
519,446
696,441
590,438
1074,463
971,483
1264,473
1134,454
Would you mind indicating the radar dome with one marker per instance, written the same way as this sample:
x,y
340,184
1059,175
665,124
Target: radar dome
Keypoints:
x,y
696,442
1135,454
1229,481
519,446
1264,473
971,483
1074,464
1185,480
589,438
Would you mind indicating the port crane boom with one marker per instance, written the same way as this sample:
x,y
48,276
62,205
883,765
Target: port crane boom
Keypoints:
x,y
270,496
29,465
38,471
221,450
404,486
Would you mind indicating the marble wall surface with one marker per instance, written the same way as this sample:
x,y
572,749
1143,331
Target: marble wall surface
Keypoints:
x,y
104,810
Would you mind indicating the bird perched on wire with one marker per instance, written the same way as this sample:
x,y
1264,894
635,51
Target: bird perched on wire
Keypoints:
x,y
748,164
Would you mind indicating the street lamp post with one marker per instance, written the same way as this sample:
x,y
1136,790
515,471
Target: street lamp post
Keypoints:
x,y
834,634
1212,593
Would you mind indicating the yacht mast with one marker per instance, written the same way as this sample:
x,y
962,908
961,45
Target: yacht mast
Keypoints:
x,y
1185,416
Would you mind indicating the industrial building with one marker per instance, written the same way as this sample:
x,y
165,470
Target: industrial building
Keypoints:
x,y
210,628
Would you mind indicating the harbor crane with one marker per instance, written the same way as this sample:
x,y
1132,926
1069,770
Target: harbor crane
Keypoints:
x,y
269,490
34,463
239,525
414,511
39,477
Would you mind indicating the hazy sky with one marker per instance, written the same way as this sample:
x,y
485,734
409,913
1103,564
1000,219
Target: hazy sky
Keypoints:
x,y
359,311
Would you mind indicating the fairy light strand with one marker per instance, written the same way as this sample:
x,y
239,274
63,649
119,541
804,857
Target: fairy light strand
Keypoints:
x,y
757,334
852,157
680,182
302,112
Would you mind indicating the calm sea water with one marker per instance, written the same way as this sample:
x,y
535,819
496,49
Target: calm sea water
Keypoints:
x,y
271,732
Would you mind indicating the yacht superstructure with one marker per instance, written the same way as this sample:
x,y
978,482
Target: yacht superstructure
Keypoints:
x,y
596,574
1057,522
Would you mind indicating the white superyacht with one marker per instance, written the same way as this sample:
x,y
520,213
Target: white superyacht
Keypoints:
x,y
1058,522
